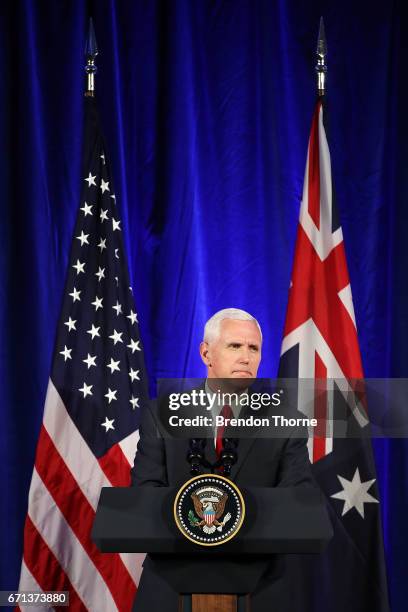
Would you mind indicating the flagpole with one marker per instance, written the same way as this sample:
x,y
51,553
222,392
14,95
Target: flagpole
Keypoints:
x,y
321,66
91,51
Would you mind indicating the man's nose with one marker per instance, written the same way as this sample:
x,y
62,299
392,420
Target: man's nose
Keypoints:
x,y
244,355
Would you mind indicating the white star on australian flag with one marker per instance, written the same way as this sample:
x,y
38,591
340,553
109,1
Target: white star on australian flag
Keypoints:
x,y
355,493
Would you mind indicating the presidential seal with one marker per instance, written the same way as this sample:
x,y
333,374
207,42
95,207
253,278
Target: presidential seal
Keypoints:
x,y
209,509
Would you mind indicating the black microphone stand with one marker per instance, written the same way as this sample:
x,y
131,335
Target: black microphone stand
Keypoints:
x,y
228,456
196,456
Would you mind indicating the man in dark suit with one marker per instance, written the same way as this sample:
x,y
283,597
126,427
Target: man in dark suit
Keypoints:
x,y
231,350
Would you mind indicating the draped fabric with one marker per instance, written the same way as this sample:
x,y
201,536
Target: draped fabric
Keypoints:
x,y
206,107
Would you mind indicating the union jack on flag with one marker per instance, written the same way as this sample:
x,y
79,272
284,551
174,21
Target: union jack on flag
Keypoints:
x,y
89,432
320,336
320,343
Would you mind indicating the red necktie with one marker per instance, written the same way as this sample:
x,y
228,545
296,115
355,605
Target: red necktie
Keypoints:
x,y
227,413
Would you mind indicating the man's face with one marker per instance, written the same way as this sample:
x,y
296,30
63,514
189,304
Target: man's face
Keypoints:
x,y
236,353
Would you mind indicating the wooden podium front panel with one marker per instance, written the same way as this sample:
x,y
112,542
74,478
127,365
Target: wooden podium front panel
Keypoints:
x,y
214,603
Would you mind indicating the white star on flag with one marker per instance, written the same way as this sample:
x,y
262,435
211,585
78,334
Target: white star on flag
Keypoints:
x,y
91,180
94,331
79,267
116,253
132,316
86,390
102,244
115,224
100,273
103,158
355,494
116,336
87,208
111,395
134,345
90,361
134,374
104,185
118,308
135,402
114,366
97,303
108,424
83,238
104,215
75,295
66,353
70,324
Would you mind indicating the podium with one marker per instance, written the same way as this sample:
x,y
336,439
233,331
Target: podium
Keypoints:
x,y
278,520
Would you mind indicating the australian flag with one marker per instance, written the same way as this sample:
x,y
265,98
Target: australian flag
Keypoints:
x,y
320,343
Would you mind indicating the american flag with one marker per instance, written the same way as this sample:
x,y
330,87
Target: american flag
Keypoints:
x,y
89,432
321,343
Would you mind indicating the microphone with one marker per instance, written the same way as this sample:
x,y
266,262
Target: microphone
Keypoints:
x,y
229,454
195,455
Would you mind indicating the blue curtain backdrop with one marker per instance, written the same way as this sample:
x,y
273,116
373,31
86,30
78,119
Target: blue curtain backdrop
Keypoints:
x,y
206,107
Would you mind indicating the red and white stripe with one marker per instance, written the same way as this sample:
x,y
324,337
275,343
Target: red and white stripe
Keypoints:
x,y
64,492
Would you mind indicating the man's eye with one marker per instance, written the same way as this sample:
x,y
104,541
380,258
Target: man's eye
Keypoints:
x,y
254,349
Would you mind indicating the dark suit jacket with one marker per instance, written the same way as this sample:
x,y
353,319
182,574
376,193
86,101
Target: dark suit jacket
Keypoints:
x,y
262,462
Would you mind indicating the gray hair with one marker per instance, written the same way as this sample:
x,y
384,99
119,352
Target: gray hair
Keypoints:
x,y
213,326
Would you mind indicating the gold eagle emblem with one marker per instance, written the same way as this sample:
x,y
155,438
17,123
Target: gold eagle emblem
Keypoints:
x,y
209,506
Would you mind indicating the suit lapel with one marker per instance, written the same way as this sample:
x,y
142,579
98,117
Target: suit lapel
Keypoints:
x,y
244,446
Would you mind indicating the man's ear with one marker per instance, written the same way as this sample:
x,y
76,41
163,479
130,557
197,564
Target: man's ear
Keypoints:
x,y
204,352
